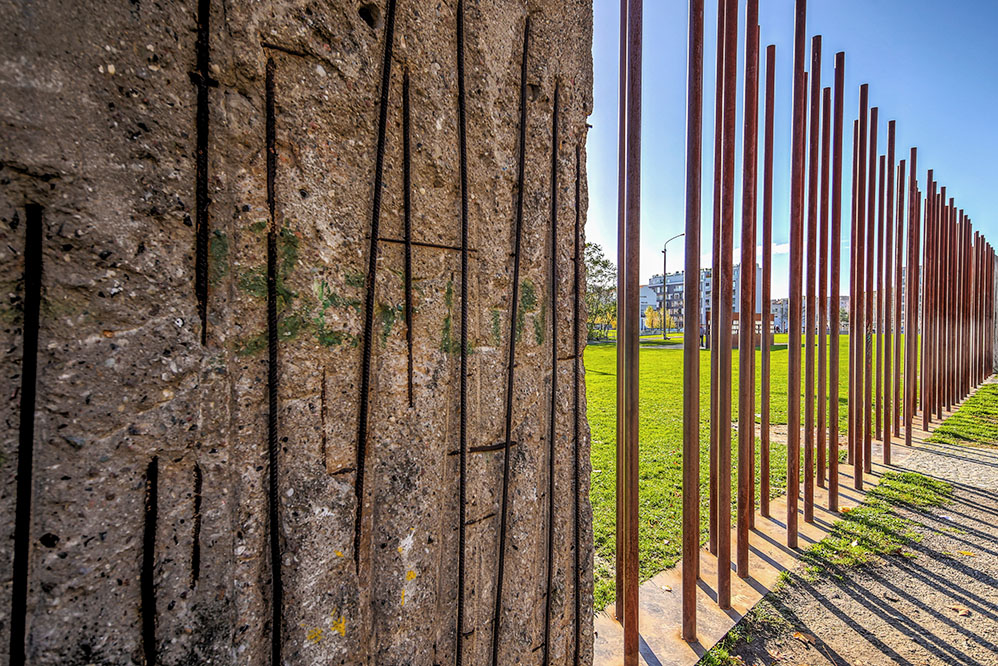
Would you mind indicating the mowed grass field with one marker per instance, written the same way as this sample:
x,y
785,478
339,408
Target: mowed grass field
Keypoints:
x,y
660,441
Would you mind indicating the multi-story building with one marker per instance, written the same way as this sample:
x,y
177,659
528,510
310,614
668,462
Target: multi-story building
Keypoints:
x,y
673,286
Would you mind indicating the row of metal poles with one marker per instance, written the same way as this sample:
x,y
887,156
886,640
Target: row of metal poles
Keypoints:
x,y
951,296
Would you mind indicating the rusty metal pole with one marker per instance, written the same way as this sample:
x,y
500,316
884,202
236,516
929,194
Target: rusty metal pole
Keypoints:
x,y
767,276
929,385
878,297
887,302
924,294
962,305
951,319
833,356
975,290
899,290
796,264
691,339
860,242
911,281
826,121
965,334
927,313
853,296
871,223
621,299
955,293
727,245
979,309
930,348
754,109
632,315
715,275
939,304
746,317
812,268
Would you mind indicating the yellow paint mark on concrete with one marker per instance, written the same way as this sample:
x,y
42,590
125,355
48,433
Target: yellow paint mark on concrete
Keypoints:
x,y
409,575
403,596
339,624
339,553
314,635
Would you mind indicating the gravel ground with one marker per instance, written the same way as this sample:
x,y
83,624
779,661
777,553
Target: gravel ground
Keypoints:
x,y
940,607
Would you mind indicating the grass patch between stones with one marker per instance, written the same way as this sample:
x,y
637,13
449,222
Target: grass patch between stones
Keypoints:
x,y
975,423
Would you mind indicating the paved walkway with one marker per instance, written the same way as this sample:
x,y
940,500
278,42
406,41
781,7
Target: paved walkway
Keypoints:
x,y
974,512
940,607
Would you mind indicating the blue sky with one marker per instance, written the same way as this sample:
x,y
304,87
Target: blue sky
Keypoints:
x,y
931,66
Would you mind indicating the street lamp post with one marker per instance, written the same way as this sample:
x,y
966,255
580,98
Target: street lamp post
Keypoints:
x,y
665,273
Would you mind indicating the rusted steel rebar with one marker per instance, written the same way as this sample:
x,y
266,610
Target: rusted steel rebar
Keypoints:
x,y
767,274
691,340
823,305
812,269
497,601
746,317
552,434
833,355
725,286
796,264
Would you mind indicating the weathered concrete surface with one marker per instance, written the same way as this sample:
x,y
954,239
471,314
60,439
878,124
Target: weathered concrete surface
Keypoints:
x,y
99,126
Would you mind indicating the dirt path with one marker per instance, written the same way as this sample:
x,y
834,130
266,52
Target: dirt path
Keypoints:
x,y
940,607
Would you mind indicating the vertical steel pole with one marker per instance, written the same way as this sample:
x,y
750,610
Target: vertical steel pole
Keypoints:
x,y
691,351
746,317
833,356
956,351
928,318
727,246
621,299
812,269
823,305
975,307
887,302
870,286
715,280
860,330
879,295
910,320
754,109
767,276
853,295
899,281
796,264
632,315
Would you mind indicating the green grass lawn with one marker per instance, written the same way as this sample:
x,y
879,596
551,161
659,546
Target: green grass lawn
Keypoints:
x,y
660,457
975,423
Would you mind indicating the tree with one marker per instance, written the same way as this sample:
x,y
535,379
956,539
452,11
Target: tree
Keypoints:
x,y
653,318
601,293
